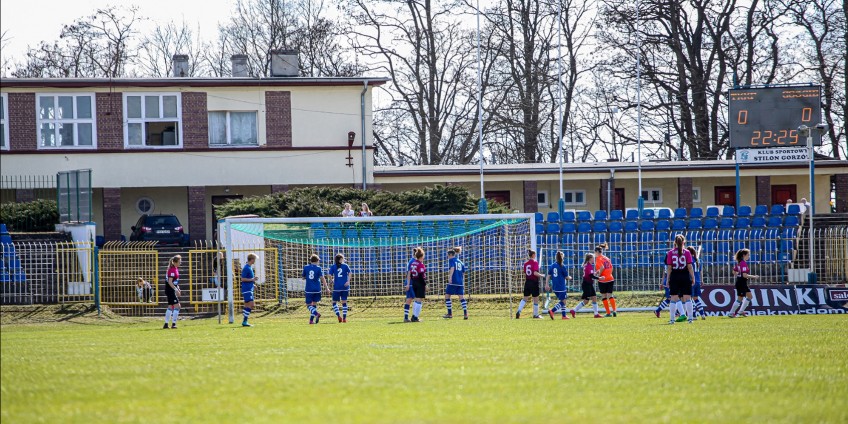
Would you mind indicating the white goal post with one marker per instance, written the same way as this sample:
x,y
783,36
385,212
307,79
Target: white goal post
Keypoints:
x,y
377,249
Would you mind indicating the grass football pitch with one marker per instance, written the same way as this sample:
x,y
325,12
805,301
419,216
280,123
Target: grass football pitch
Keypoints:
x,y
374,369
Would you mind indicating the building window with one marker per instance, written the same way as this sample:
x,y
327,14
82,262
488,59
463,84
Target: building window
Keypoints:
x,y
4,127
152,120
575,197
542,197
66,120
652,195
231,128
144,205
696,194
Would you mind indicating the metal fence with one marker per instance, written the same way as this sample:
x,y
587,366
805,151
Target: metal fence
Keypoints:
x,y
50,272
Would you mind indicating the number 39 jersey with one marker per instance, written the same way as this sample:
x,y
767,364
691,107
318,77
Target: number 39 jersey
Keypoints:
x,y
677,260
312,275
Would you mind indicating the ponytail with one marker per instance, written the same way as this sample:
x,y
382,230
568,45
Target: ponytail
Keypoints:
x,y
601,247
176,259
531,253
339,258
419,253
679,241
559,257
741,254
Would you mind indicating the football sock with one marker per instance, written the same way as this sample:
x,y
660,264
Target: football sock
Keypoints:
x,y
312,310
449,305
521,305
416,310
689,312
663,304
594,307
535,309
246,313
174,315
167,316
700,306
557,307
672,308
344,310
612,303
606,305
680,308
581,305
735,306
336,309
464,306
745,303
405,311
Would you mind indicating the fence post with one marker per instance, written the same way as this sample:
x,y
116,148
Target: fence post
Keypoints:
x,y
281,279
96,261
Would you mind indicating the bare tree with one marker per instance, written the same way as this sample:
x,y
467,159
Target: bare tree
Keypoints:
x,y
166,40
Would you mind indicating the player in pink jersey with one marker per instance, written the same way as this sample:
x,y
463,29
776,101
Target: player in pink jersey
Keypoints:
x,y
588,287
531,284
743,292
680,276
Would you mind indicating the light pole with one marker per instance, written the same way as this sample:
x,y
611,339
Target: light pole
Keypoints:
x,y
561,207
483,206
805,131
641,201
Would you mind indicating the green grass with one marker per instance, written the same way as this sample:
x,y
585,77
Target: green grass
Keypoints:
x,y
633,368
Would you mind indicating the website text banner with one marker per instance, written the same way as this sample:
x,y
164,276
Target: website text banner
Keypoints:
x,y
780,300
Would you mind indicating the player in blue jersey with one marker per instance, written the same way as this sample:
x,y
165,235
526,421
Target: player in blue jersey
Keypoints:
x,y
696,288
410,294
315,280
557,275
248,281
456,284
341,286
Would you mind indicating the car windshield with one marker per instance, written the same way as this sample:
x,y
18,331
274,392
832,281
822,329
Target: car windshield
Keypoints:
x,y
162,221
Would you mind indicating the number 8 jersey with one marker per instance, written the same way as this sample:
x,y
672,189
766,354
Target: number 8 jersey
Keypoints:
x,y
312,275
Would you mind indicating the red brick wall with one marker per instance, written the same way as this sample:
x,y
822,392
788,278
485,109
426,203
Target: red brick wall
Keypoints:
x,y
112,214
841,193
197,213
763,190
278,128
195,120
279,188
684,193
531,197
110,120
23,134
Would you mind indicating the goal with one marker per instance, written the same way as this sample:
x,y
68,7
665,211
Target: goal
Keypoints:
x,y
378,250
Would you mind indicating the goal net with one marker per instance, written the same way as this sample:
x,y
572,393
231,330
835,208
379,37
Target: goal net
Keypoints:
x,y
378,249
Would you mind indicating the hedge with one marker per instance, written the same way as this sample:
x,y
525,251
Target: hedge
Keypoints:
x,y
38,215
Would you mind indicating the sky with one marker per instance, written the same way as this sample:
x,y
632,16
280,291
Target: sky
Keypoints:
x,y
27,28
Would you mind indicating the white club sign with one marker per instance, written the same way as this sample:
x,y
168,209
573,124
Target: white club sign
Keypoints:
x,y
773,155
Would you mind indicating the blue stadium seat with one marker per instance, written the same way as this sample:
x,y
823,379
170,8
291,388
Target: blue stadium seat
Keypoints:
x,y
569,227
553,216
728,211
710,224
614,242
791,221
584,216
758,222
584,237
366,233
663,225
599,227
540,228
744,211
694,224
776,210
631,226
647,214
696,213
724,245
616,215
793,209
775,221
761,210
316,225
770,244
568,217
680,213
319,234
600,215
740,237
678,225
755,244
712,212
726,223
584,227
663,239
664,214
334,225
567,240
552,228
616,226
646,226
743,222
598,238
383,224
539,217
632,215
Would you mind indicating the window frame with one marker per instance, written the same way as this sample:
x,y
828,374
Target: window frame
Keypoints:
x,y
547,198
696,199
143,120
149,200
75,121
649,190
574,197
229,143
4,99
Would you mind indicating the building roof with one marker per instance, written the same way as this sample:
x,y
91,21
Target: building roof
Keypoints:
x,y
189,82
588,167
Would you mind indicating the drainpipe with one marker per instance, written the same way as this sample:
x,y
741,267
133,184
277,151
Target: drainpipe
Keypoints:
x,y
364,136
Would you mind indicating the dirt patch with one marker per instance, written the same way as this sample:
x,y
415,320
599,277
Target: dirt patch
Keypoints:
x,y
80,313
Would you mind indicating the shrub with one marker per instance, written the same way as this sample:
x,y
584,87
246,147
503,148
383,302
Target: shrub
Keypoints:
x,y
38,215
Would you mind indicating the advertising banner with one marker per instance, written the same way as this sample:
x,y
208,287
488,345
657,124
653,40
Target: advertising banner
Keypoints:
x,y
773,155
779,299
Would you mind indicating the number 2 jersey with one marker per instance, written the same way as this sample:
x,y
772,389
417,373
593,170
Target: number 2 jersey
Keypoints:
x,y
340,275
312,274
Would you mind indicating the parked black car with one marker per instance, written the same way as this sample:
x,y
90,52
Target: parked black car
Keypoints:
x,y
166,229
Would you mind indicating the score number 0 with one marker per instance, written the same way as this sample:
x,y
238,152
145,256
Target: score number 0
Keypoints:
x,y
764,137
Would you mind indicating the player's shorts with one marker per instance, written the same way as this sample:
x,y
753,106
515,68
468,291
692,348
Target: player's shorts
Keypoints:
x,y
419,287
453,289
606,288
531,288
588,287
679,284
313,297
561,295
172,297
247,296
340,295
410,294
742,286
696,290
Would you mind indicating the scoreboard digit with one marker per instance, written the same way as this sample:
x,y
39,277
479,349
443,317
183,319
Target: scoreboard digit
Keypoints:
x,y
770,117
